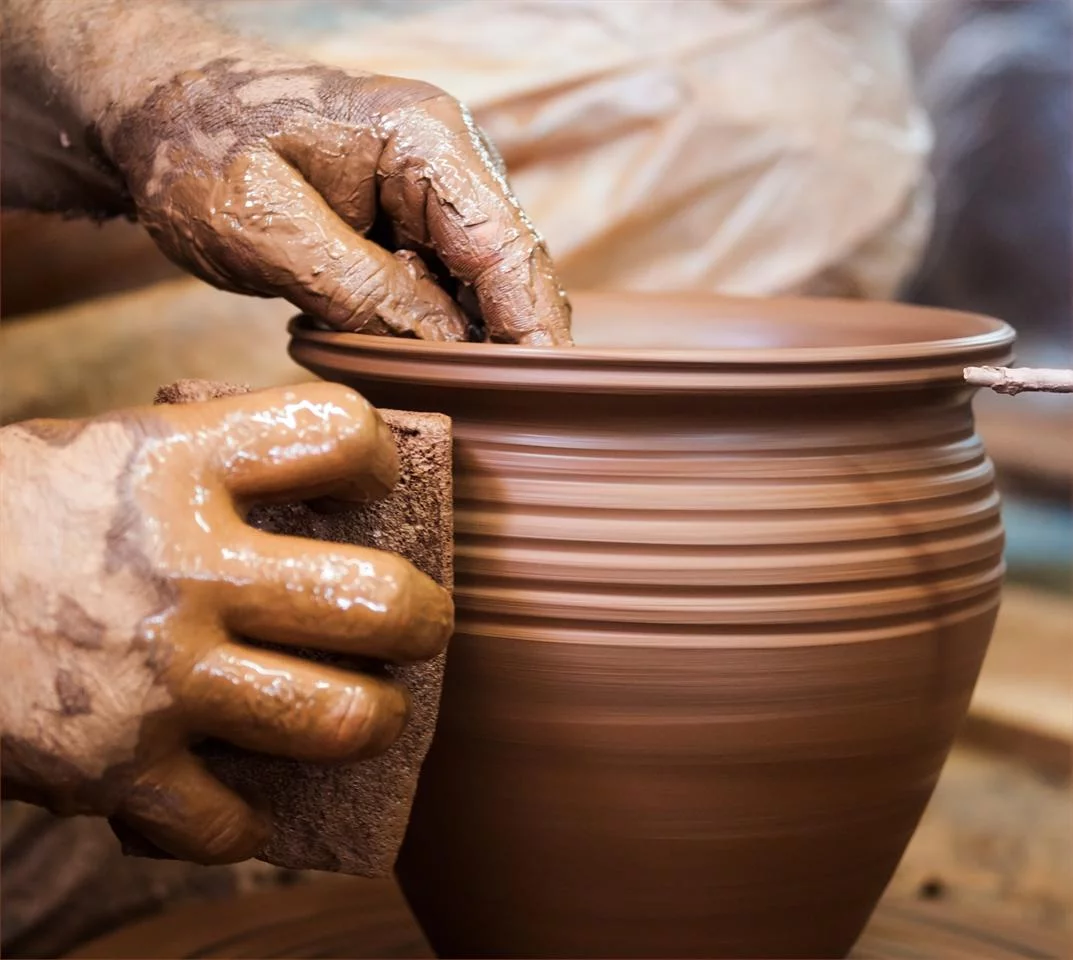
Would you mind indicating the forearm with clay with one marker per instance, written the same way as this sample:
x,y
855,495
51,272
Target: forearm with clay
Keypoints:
x,y
68,64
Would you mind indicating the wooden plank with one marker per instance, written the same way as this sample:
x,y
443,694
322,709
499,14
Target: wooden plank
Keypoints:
x,y
995,839
1023,703
354,918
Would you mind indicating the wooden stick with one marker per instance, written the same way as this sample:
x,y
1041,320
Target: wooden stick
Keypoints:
x,y
1012,381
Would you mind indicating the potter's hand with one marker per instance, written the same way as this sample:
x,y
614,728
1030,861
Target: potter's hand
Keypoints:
x,y
265,179
129,580
264,176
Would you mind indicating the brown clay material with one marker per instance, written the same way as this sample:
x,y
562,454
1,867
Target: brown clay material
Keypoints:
x,y
725,575
352,818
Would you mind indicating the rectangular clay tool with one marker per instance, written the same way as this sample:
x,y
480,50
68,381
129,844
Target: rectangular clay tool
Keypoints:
x,y
351,819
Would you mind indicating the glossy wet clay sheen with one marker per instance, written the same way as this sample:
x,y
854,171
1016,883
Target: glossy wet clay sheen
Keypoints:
x,y
725,575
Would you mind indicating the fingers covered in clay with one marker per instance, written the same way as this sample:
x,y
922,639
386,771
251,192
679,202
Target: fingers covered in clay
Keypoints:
x,y
184,810
275,704
270,180
457,202
132,587
332,597
289,444
320,440
268,232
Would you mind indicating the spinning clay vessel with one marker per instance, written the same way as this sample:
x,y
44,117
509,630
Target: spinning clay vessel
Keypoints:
x,y
725,575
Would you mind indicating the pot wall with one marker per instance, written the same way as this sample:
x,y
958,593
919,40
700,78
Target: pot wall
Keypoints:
x,y
711,653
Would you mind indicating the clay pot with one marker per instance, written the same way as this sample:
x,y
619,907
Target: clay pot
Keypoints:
x,y
726,573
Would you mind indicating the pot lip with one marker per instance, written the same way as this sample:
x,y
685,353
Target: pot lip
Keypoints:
x,y
990,338
620,371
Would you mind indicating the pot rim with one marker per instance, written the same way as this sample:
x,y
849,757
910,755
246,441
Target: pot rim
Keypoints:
x,y
963,339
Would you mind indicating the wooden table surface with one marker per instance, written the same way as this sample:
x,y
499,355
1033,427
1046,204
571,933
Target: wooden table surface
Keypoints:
x,y
351,918
1023,703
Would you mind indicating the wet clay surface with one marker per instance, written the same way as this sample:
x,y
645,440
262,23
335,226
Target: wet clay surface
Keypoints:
x,y
719,614
125,614
352,817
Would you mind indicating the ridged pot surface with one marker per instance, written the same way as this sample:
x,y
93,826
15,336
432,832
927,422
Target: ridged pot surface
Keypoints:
x,y
720,610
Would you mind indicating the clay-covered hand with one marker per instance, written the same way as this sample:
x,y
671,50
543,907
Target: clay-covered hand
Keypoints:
x,y
130,586
267,178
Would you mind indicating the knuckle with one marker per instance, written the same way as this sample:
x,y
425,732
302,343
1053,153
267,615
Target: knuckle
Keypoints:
x,y
370,720
351,726
425,102
226,837
357,98
424,92
419,93
357,300
512,258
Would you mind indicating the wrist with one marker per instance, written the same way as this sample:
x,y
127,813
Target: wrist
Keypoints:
x,y
79,40
68,50
63,78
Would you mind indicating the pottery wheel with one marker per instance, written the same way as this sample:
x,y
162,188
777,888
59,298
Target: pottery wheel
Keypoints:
x,y
351,918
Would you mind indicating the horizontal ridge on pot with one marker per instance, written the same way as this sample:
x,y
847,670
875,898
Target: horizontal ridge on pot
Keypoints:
x,y
720,610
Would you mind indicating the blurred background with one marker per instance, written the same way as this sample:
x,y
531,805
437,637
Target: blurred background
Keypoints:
x,y
919,150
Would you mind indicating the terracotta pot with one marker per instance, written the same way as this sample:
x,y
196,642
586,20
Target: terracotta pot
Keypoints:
x,y
726,573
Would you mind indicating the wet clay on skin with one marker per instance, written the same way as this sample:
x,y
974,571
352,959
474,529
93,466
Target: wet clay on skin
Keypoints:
x,y
374,203
129,579
267,179
352,817
725,574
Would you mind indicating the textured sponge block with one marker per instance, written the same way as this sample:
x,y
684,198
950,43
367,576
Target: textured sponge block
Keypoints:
x,y
352,818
